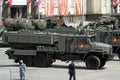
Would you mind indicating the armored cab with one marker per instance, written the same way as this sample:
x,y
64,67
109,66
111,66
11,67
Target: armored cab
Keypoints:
x,y
111,37
42,48
107,30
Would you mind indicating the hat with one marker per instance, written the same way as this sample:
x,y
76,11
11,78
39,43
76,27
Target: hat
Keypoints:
x,y
21,61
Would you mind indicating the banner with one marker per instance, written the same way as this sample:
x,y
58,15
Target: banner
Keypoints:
x,y
62,7
1,1
29,2
114,2
50,8
118,2
9,2
37,2
78,7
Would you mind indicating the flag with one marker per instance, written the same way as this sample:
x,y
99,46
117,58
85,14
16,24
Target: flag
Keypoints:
x,y
1,2
118,2
9,2
114,2
50,8
62,7
29,2
37,2
78,7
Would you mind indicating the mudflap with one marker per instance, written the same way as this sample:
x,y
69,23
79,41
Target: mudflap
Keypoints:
x,y
10,54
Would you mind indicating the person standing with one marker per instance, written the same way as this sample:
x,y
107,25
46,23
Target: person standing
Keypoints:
x,y
22,70
71,71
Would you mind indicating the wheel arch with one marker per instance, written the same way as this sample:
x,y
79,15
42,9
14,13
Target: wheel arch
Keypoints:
x,y
98,54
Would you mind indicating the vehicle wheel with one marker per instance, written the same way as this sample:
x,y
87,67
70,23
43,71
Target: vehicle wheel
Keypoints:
x,y
119,55
102,63
28,60
16,61
50,60
50,63
40,60
92,62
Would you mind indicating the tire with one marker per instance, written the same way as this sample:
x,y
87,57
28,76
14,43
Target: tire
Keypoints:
x,y
119,56
50,60
28,60
16,60
92,62
103,62
50,63
40,60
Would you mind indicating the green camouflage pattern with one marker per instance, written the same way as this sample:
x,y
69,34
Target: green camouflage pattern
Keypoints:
x,y
29,24
39,24
24,24
103,23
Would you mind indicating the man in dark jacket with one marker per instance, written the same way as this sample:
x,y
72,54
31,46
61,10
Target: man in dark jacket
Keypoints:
x,y
71,71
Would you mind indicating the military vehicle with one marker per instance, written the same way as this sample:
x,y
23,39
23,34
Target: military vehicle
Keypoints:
x,y
111,37
107,30
42,48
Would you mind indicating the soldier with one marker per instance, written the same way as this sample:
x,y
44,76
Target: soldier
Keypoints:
x,y
71,71
22,70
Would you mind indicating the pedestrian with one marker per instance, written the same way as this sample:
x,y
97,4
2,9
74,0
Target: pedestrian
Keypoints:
x,y
71,71
22,70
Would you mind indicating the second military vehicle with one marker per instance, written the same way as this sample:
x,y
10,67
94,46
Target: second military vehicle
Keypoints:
x,y
42,48
107,30
111,37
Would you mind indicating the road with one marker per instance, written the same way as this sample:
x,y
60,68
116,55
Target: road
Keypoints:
x,y
58,71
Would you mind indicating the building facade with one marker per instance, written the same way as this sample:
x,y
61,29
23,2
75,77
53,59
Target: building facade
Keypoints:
x,y
88,9
17,9
115,6
97,8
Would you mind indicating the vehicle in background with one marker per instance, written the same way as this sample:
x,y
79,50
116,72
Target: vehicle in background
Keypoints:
x,y
107,30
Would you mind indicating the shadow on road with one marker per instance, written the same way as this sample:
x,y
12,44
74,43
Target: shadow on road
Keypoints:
x,y
9,65
77,67
56,66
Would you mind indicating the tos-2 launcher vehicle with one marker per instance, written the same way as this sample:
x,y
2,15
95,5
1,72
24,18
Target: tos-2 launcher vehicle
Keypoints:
x,y
42,48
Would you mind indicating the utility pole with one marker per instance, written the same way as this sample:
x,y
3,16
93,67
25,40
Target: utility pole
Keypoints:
x,y
1,9
105,6
83,11
39,11
29,11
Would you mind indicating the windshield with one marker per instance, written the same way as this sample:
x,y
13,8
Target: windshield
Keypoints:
x,y
92,39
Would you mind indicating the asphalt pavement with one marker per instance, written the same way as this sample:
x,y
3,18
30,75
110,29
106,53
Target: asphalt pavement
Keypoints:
x,y
58,71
